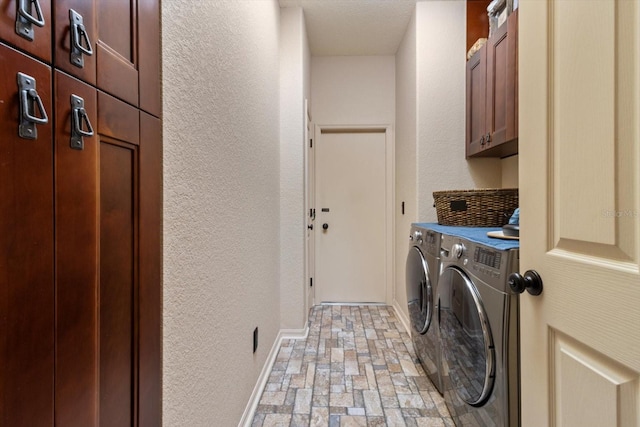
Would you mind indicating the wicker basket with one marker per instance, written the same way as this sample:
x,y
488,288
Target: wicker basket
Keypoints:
x,y
491,207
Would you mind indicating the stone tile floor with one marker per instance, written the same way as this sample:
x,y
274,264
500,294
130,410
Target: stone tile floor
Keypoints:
x,y
357,367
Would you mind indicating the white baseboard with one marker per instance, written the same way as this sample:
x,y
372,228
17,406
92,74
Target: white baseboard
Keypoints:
x,y
252,405
402,317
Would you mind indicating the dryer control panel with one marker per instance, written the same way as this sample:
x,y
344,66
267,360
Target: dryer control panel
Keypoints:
x,y
487,257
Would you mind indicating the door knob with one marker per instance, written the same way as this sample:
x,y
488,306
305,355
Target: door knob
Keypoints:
x,y
310,226
325,226
531,281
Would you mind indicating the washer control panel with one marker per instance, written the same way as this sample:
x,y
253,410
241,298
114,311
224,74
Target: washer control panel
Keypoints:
x,y
487,257
427,240
489,265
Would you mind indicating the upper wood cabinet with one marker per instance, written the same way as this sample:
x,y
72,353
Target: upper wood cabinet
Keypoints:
x,y
77,61
27,25
492,95
113,45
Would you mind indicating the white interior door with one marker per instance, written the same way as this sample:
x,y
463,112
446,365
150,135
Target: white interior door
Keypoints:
x,y
310,208
579,149
350,224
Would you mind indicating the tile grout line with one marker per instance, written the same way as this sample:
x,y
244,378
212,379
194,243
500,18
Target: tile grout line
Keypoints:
x,y
342,328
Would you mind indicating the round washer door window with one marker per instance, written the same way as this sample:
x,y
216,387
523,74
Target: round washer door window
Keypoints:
x,y
419,291
467,344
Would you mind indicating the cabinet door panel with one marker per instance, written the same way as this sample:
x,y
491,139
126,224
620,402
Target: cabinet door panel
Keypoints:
x,y
501,63
497,53
150,413
26,253
512,77
116,47
149,55
117,283
62,34
40,46
476,99
76,261
119,213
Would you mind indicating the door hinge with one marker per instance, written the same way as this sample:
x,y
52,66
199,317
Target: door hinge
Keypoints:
x,y
311,282
311,143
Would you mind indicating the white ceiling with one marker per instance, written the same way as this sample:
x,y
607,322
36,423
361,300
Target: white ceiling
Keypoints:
x,y
354,27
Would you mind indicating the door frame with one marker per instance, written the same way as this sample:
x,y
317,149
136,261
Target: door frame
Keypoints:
x,y
390,262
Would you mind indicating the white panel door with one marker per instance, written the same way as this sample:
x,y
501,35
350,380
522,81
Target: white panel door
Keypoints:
x,y
579,145
350,221
310,209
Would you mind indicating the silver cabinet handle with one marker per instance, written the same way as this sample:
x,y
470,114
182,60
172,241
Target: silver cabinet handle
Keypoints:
x,y
79,118
79,39
30,102
25,20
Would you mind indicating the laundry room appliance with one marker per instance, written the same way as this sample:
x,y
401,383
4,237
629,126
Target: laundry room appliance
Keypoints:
x,y
479,331
422,272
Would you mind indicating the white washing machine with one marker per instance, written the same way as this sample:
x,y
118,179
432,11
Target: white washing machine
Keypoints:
x,y
479,330
422,272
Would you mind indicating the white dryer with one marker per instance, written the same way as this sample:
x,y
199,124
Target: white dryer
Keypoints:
x,y
422,272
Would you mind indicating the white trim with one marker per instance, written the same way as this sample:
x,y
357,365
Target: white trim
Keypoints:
x,y
356,304
252,405
402,317
294,334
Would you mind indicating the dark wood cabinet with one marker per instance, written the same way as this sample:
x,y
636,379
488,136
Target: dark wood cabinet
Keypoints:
x,y
476,102
81,220
77,29
77,263
492,95
17,27
119,131
123,38
26,249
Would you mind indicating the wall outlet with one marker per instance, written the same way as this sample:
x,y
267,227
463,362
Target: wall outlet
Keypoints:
x,y
255,339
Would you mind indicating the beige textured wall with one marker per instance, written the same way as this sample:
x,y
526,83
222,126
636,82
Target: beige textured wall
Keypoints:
x,y
294,88
221,204
353,90
430,132
441,41
406,127
510,172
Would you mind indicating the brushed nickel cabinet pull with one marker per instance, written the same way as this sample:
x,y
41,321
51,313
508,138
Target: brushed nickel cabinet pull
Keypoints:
x,y
80,43
25,20
79,118
30,102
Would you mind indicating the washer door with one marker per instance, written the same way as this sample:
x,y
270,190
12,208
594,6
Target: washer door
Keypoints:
x,y
419,291
467,344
